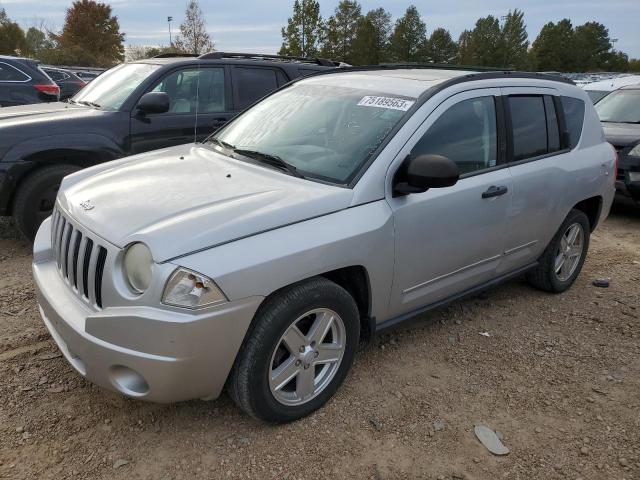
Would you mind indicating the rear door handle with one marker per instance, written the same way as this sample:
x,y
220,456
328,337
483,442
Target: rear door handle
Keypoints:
x,y
494,191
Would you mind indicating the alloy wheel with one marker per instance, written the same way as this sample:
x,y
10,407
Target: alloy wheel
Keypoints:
x,y
569,252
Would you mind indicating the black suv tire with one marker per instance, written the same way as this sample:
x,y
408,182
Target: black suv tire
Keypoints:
x,y
36,197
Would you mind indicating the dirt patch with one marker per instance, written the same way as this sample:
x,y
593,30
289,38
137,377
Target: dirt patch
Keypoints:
x,y
559,377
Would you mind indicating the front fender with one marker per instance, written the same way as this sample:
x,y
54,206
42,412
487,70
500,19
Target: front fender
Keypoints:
x,y
261,264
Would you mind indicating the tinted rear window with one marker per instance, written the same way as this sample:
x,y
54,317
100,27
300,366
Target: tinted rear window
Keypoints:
x,y
8,73
251,84
529,123
574,118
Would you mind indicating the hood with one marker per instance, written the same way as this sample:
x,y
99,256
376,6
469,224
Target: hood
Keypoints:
x,y
621,134
182,199
41,112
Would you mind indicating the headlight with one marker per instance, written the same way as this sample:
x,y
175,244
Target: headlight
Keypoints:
x,y
137,266
189,289
635,151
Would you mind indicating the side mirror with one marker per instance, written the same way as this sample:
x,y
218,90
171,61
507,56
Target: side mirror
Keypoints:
x,y
154,102
421,173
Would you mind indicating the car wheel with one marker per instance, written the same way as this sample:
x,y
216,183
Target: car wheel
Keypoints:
x,y
563,258
36,197
298,352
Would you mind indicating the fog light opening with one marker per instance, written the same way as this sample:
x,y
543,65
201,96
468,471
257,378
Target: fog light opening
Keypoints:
x,y
128,381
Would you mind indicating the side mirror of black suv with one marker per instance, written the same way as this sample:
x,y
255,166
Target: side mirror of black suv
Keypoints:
x,y
154,102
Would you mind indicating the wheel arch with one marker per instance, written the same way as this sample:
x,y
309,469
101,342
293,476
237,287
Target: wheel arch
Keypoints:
x,y
592,208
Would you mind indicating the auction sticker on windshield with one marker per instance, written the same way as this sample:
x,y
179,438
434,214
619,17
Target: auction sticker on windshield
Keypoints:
x,y
386,102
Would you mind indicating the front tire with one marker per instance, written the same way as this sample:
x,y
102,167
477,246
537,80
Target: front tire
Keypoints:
x,y
36,197
298,353
563,258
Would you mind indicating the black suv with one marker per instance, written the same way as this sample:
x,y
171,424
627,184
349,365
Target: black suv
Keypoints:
x,y
619,113
132,108
22,82
69,82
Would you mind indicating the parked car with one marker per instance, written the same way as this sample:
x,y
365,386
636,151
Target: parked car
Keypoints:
x,y
23,82
335,208
619,113
132,108
88,76
598,90
69,82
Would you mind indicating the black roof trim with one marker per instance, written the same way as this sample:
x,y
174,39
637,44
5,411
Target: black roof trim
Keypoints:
x,y
175,55
259,56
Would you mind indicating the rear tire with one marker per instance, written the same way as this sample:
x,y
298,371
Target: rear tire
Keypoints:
x,y
268,378
561,262
36,197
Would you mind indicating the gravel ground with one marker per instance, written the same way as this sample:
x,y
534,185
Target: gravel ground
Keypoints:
x,y
559,377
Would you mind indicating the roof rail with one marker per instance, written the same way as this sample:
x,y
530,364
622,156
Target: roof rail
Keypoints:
x,y
260,56
175,55
442,66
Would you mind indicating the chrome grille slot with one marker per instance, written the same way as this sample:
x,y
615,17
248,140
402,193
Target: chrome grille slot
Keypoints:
x,y
81,260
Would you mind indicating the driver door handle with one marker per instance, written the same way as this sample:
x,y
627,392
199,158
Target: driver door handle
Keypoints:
x,y
494,191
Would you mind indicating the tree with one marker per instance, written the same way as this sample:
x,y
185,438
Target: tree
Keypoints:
x,y
634,65
341,30
304,30
194,37
485,43
409,36
371,45
593,46
440,47
90,37
12,40
553,49
465,55
515,41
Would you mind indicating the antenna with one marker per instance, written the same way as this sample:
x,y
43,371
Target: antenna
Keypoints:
x,y
195,127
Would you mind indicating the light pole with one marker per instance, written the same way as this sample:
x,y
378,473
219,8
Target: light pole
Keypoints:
x,y
169,21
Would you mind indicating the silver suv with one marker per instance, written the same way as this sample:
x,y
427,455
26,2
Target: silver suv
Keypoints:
x,y
333,209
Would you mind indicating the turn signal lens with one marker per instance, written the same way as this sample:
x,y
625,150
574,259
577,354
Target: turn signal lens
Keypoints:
x,y
189,289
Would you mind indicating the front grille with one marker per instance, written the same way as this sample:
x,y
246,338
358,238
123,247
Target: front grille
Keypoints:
x,y
80,260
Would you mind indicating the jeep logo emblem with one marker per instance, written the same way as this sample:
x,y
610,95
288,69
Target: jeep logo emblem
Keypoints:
x,y
87,205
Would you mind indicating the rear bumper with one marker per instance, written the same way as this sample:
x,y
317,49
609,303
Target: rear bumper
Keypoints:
x,y
144,352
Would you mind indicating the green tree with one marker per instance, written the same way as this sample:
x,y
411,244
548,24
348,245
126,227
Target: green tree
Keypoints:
x,y
515,41
194,37
553,49
341,30
36,41
90,37
12,40
304,29
408,37
593,46
371,45
634,65
440,47
465,55
486,44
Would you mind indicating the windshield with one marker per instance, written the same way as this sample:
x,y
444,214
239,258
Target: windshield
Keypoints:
x,y
622,106
596,95
326,132
111,89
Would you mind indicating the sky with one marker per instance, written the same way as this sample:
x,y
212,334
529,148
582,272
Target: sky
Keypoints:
x,y
254,25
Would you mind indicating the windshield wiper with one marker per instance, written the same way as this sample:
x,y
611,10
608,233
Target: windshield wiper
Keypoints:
x,y
269,159
222,143
85,102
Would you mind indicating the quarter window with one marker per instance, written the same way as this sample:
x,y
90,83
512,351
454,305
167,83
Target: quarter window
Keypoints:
x,y
189,88
465,133
251,84
9,73
573,109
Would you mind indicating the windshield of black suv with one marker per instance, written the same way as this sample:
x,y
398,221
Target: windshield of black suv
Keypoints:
x,y
111,89
326,132
621,106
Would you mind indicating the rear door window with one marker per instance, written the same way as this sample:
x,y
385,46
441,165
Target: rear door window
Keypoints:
x,y
9,73
529,126
251,84
574,118
553,129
